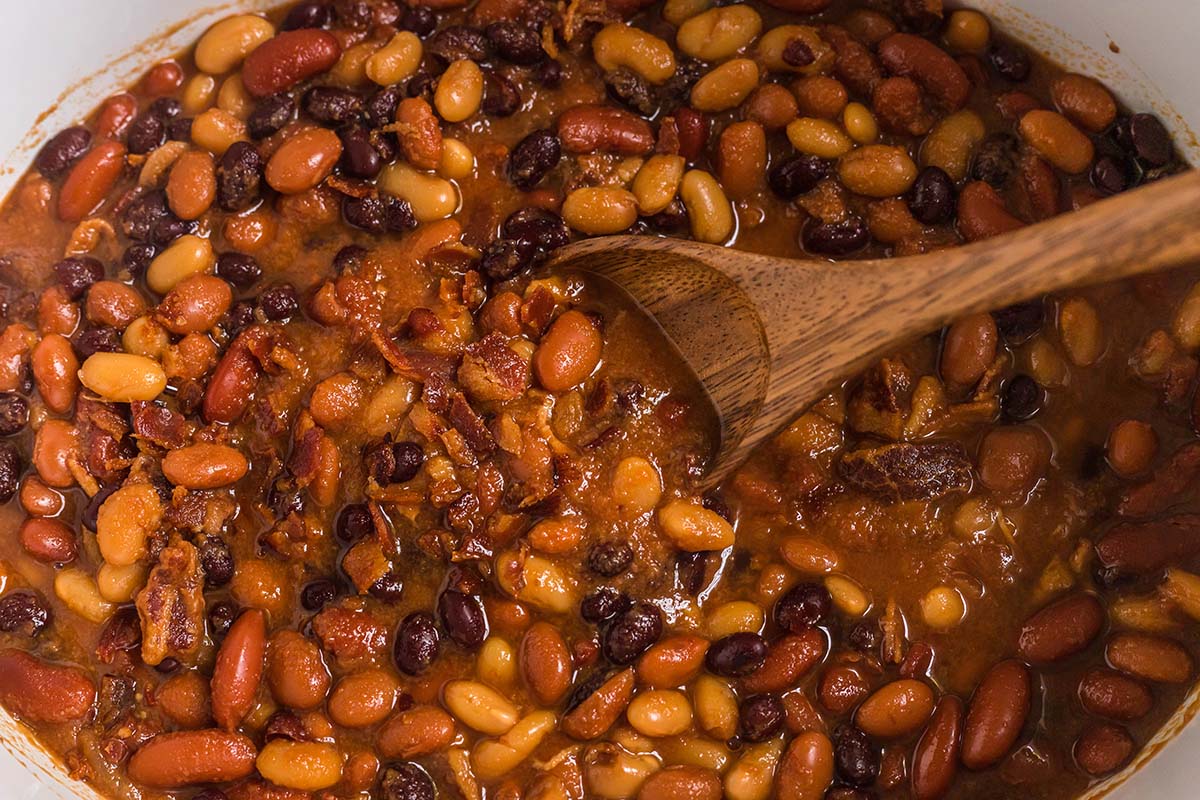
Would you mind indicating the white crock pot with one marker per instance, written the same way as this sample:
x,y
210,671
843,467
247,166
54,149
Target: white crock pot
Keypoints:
x,y
59,58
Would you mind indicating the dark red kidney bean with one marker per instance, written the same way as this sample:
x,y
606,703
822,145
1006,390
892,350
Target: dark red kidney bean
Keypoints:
x,y
1010,60
1061,629
463,617
835,238
935,758
287,59
14,413
632,633
238,269
760,717
1147,139
1140,548
1149,657
692,127
360,159
332,106
855,757
279,302
379,213
802,607
417,643
23,612
603,603
1110,175
1107,693
62,151
37,691
797,175
239,177
1103,749
10,471
736,655
48,540
532,158
145,134
996,714
932,200
231,387
1020,322
1021,398
501,93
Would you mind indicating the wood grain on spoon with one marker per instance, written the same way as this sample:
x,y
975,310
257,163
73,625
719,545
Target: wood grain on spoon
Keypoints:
x,y
767,336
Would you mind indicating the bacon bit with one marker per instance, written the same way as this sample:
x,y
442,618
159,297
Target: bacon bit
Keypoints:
x,y
892,625
365,563
305,459
474,292
158,424
538,310
416,365
350,187
471,426
88,235
171,606
121,633
200,512
880,404
100,428
350,633
491,371
668,137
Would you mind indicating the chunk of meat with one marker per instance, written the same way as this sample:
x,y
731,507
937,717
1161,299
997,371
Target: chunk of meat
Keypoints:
x,y
906,471
172,606
491,371
350,634
1165,486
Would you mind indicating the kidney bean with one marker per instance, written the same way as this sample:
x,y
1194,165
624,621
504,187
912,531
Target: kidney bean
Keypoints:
x,y
239,669
418,731
303,161
24,612
1145,137
545,663
192,184
1106,693
37,691
290,57
1149,657
895,709
62,150
603,129
935,758
188,758
596,712
1013,459
116,113
806,769
417,643
797,175
231,386
48,540
996,714
90,181
1103,749
789,658
463,617
911,56
982,213
146,133
1061,629
55,370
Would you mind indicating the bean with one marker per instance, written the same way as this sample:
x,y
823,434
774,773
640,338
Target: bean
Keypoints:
x,y
895,709
878,170
659,712
216,130
674,661
192,184
771,106
1081,331
545,662
1151,658
364,698
1146,138
90,180
24,612
1085,101
187,758
725,86
287,59
610,771
657,182
48,540
932,198
841,688
796,176
187,256
598,211
459,91
123,377
223,46
62,151
239,669
819,137
1106,693
493,759
797,49
592,128
910,56
463,617
806,770
532,158
38,691
38,499
951,143
788,659
429,197
1057,140
395,61
54,370
1103,748
969,349
303,161
632,633
680,782
736,655
479,707
568,353
982,213
53,447
114,304
618,45
419,731
1131,447
718,33
935,758
996,714
1013,459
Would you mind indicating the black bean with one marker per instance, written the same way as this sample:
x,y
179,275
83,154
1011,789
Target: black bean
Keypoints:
x,y
996,159
456,42
285,499
239,316
421,20
691,571
279,302
671,218
603,603
380,461
548,74
317,594
217,560
354,522
1020,322
143,214
797,53
352,13
221,616
137,258
504,258
99,339
180,129
10,471
736,655
515,42
422,84
501,94
849,793
239,177
146,133
23,612
932,200
538,226
14,413
417,643
676,91
379,213
270,115
865,636
760,717
632,633
77,273
360,159
1010,60
238,269
407,781
533,157
389,588
610,558
1145,137
169,229
92,509
408,458
381,106
856,759
631,90
463,617
166,108
1021,398
802,607
332,106
349,259
1110,175
835,238
797,175
313,14
63,150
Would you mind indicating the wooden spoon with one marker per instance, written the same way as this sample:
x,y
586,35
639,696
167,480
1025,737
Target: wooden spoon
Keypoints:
x,y
767,336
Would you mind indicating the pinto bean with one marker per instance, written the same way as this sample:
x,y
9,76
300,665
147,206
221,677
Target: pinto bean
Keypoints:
x,y
568,353
1013,459
982,213
55,370
204,466
195,305
419,731
806,770
1061,629
996,714
48,540
37,691
674,661
969,349
239,669
188,758
364,698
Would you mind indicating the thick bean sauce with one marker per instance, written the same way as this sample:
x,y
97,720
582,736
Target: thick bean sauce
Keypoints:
x,y
318,484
